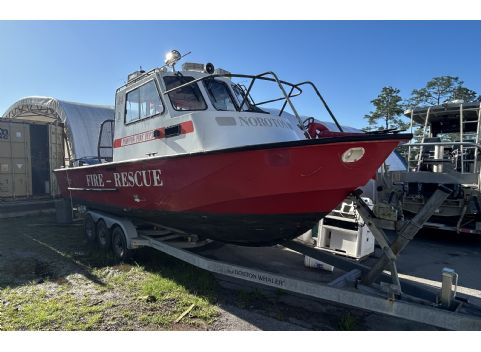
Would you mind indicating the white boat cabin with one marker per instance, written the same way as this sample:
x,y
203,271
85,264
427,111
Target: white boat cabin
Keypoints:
x,y
167,112
203,116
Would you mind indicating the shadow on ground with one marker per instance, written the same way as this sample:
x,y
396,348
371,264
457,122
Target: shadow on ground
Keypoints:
x,y
36,249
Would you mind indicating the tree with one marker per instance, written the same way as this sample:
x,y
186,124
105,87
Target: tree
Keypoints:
x,y
465,94
440,90
388,111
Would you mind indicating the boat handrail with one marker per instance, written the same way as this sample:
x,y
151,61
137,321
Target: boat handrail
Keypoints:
x,y
230,75
323,102
286,96
469,144
280,83
281,98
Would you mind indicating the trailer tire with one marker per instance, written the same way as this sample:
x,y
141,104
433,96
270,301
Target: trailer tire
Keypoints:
x,y
119,244
103,235
89,229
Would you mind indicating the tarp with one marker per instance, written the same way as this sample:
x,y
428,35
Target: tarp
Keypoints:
x,y
81,121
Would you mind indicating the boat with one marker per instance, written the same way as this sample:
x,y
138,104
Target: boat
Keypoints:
x,y
446,153
192,150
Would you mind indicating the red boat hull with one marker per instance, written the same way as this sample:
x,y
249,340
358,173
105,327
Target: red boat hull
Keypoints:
x,y
254,195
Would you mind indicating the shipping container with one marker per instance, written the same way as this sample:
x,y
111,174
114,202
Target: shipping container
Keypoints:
x,y
29,152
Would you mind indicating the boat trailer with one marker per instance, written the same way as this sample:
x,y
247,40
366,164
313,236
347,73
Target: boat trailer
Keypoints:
x,y
361,286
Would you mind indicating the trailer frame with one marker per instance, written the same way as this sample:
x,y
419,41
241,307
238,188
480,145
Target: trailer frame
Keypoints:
x,y
359,287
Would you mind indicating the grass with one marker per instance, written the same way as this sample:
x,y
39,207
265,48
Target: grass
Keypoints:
x,y
348,322
65,285
175,286
176,299
34,309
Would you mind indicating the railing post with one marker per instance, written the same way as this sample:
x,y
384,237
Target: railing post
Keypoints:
x,y
301,125
323,102
285,101
409,148
461,136
247,93
424,136
476,152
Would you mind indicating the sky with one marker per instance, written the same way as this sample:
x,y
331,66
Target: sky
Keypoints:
x,y
349,61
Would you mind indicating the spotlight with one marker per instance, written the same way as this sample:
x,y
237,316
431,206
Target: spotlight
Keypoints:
x,y
172,57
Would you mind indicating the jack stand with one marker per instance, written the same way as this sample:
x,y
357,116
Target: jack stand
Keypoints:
x,y
404,236
392,291
449,278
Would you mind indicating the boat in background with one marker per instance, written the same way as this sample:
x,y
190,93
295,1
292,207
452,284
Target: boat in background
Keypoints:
x,y
447,153
191,150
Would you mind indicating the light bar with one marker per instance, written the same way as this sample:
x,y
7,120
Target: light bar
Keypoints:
x,y
193,66
220,71
135,74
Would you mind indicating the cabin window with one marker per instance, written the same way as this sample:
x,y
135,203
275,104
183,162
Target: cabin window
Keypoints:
x,y
239,95
143,102
248,104
187,98
219,95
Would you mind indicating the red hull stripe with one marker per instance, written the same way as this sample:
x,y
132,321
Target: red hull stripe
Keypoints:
x,y
185,127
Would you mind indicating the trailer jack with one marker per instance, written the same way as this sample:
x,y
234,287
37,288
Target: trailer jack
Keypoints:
x,y
405,235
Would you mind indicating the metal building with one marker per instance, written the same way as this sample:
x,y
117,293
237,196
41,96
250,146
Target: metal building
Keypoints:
x,y
40,134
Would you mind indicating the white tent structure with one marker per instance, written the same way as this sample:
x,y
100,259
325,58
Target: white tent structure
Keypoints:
x,y
81,121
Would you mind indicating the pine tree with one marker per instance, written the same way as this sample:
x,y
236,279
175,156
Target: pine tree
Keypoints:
x,y
440,90
388,111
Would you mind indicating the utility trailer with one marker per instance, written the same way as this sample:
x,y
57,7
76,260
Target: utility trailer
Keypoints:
x,y
360,286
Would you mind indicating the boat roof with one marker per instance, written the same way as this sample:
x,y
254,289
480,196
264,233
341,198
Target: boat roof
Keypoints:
x,y
444,112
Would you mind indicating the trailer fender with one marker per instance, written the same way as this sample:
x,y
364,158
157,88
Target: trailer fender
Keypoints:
x,y
125,224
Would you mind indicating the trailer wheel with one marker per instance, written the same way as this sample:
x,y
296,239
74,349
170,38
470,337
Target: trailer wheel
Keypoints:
x,y
89,229
119,244
103,234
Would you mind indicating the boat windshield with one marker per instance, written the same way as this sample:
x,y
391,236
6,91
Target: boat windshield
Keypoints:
x,y
248,105
219,95
187,98
239,95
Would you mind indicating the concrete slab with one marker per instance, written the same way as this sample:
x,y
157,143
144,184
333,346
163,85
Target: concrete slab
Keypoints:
x,y
422,261
432,250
